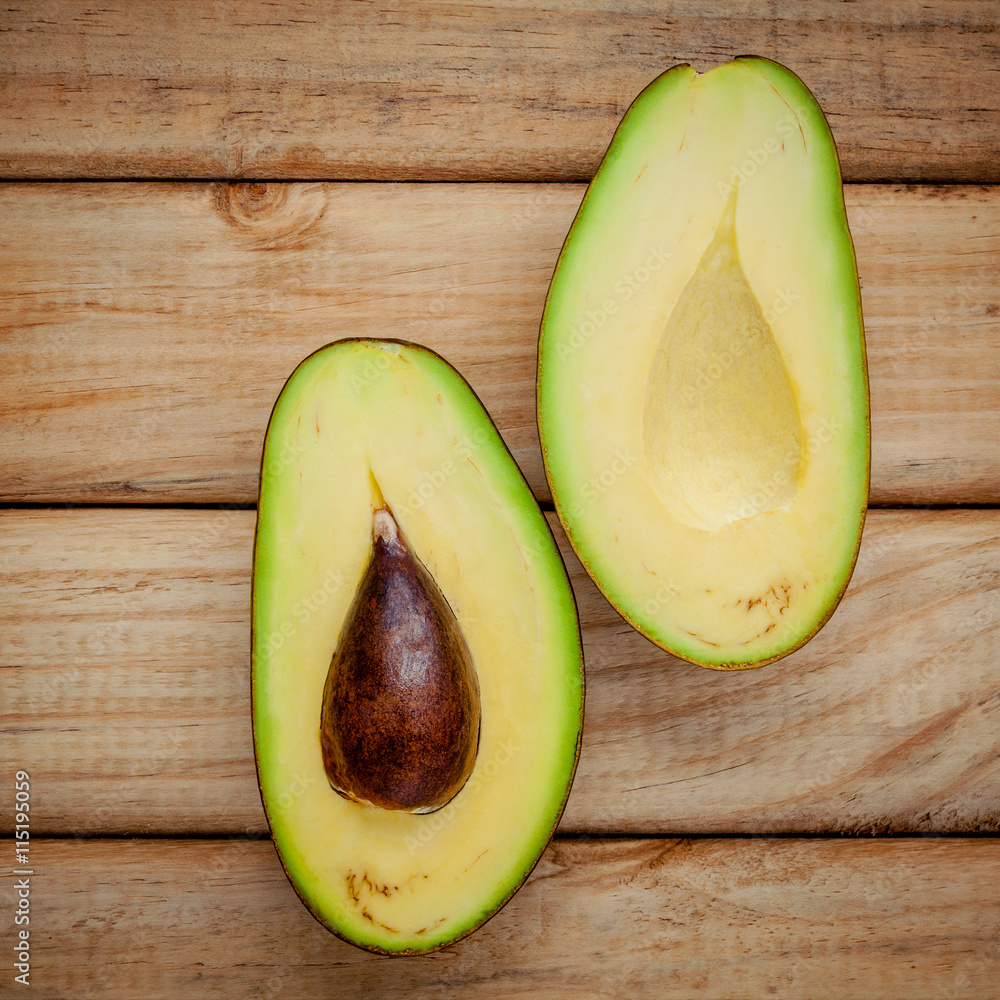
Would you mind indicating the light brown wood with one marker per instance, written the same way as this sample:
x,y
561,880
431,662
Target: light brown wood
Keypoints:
x,y
470,91
147,328
907,919
125,680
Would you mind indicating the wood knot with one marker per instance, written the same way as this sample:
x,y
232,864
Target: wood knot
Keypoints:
x,y
271,215
249,204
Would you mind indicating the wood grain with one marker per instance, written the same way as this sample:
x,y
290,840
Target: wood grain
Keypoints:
x,y
905,919
125,675
146,329
467,91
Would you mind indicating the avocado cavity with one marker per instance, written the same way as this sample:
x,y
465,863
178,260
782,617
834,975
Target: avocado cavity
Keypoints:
x,y
721,426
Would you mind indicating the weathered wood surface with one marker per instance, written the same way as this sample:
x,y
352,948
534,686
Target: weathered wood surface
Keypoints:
x,y
470,91
146,329
125,679
904,918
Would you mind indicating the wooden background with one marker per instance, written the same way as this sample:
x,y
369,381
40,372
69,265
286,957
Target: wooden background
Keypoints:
x,y
193,197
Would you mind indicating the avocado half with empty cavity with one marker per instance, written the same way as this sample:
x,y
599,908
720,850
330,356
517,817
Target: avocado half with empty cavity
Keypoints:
x,y
417,665
702,380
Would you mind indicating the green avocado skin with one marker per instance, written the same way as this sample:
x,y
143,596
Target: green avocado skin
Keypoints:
x,y
356,412
750,129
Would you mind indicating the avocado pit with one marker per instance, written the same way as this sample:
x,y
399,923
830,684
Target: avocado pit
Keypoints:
x,y
400,720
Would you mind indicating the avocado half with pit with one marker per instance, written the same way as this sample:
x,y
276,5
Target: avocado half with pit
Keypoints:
x,y
417,666
702,381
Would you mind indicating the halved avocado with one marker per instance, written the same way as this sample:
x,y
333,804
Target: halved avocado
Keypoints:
x,y
399,550
702,381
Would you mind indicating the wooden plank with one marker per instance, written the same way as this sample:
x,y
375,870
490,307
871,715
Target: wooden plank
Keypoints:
x,y
467,90
125,680
135,317
903,919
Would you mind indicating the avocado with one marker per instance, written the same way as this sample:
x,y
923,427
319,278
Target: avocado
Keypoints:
x,y
702,386
417,671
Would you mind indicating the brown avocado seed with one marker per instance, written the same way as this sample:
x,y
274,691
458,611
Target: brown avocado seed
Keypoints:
x,y
399,726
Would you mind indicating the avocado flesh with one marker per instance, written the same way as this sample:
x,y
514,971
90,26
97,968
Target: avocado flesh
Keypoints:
x,y
387,879
702,382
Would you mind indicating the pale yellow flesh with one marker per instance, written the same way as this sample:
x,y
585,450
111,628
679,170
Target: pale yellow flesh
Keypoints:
x,y
395,880
702,382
